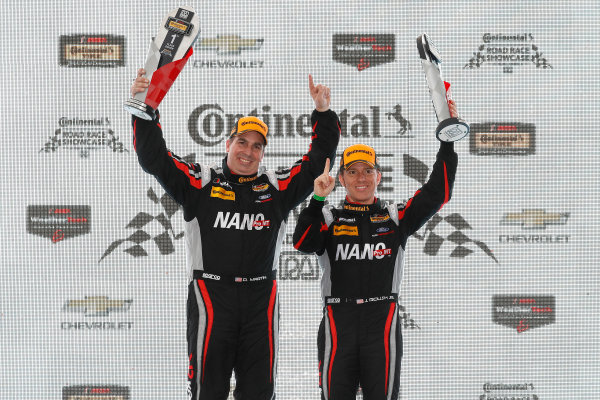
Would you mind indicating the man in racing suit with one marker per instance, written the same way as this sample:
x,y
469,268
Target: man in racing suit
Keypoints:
x,y
235,215
361,248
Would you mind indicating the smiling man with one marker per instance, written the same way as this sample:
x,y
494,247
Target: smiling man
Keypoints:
x,y
361,250
235,214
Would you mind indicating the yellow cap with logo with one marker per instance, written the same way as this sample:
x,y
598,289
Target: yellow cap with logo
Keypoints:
x,y
359,153
248,124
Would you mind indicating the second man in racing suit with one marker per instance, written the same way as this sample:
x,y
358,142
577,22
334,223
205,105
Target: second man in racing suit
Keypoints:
x,y
360,248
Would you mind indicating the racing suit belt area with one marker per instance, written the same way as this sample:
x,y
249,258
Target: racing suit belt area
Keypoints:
x,y
234,229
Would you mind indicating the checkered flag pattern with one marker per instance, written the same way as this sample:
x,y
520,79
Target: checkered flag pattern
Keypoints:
x,y
142,224
139,238
452,225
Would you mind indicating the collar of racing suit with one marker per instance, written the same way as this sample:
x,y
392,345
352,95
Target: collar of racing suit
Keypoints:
x,y
231,177
362,208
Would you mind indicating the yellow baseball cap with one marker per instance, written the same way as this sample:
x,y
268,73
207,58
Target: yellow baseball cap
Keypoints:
x,y
359,153
247,124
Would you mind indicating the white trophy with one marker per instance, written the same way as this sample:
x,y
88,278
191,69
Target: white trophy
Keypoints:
x,y
449,129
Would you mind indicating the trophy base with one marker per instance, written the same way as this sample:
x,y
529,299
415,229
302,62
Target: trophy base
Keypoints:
x,y
452,130
139,109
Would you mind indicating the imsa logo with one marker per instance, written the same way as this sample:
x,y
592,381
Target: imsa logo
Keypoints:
x,y
239,221
347,251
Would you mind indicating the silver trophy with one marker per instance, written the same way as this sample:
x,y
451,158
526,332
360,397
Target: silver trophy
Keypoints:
x,y
168,54
449,129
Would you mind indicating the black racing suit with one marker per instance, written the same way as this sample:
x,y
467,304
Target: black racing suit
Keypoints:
x,y
361,250
234,229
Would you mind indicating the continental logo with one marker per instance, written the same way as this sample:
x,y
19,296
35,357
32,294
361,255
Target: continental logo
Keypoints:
x,y
348,154
229,44
240,221
80,51
535,219
260,188
369,251
96,306
379,218
264,128
340,230
222,193
351,207
244,179
502,139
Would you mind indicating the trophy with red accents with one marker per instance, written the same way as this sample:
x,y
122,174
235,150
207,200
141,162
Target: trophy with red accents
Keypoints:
x,y
449,129
169,51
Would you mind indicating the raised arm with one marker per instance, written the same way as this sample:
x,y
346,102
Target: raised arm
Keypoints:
x,y
436,192
176,176
296,182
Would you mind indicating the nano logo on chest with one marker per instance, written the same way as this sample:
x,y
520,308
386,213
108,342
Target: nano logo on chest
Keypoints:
x,y
240,221
368,252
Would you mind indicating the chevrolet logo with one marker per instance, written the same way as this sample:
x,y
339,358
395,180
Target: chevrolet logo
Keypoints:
x,y
535,219
96,306
230,44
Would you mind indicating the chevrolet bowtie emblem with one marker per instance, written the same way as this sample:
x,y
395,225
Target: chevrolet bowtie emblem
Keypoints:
x,y
535,219
230,44
96,306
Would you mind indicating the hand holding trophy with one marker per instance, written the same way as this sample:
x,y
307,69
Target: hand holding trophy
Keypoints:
x,y
449,129
168,54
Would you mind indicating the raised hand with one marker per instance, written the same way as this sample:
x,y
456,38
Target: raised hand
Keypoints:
x,y
452,108
324,183
321,95
140,83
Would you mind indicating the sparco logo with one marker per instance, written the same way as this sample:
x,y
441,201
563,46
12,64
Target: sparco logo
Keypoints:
x,y
209,124
239,221
507,51
58,222
96,306
353,251
363,50
83,135
508,391
228,46
104,392
523,312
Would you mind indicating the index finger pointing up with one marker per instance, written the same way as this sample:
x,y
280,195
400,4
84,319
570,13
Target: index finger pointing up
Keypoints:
x,y
311,84
326,170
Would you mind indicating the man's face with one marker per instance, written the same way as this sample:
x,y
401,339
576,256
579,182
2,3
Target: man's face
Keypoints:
x,y
360,181
245,152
